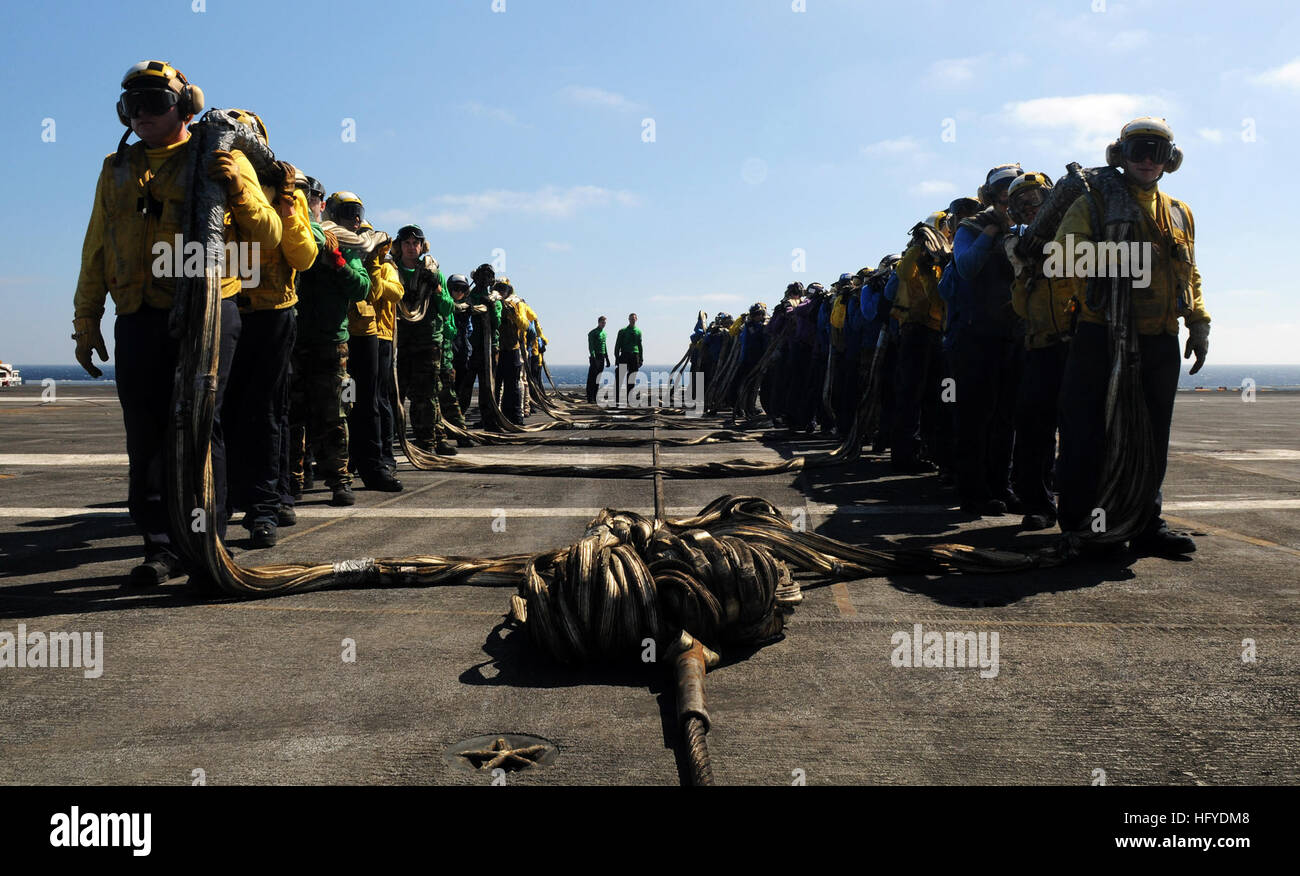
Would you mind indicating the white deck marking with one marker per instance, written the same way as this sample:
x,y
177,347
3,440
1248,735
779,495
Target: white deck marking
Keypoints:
x,y
325,512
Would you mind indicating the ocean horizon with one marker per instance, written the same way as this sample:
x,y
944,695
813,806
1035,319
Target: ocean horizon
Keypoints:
x,y
1211,377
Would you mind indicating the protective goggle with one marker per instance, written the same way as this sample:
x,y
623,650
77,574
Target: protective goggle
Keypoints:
x,y
348,211
1032,198
1154,149
410,232
151,101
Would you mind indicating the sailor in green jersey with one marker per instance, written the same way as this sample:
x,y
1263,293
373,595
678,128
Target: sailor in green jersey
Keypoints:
x,y
597,357
485,325
627,349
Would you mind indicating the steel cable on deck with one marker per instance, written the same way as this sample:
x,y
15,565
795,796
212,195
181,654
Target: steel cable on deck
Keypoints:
x,y
724,576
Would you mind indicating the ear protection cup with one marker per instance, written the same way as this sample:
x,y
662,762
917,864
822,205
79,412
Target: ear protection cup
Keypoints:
x,y
1113,156
191,102
1175,160
121,112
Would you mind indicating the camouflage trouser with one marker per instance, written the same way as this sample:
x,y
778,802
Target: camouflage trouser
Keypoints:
x,y
318,413
419,378
448,404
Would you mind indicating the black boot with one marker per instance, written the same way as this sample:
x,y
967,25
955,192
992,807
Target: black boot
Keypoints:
x,y
156,569
381,481
1163,542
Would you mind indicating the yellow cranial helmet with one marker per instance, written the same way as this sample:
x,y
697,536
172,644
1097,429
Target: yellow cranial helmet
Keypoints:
x,y
143,83
1144,137
1017,194
252,120
344,205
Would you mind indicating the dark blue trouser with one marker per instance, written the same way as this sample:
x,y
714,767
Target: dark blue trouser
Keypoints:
x,y
363,421
385,366
888,364
509,373
987,374
146,368
254,407
791,392
847,390
633,363
595,365
1035,452
916,393
1083,416
285,485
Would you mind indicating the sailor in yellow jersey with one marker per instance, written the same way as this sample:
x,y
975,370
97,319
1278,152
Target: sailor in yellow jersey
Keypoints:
x,y
140,201
365,445
257,397
1145,151
385,290
1044,305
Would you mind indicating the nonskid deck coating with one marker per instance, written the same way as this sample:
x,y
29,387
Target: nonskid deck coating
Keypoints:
x,y
1133,668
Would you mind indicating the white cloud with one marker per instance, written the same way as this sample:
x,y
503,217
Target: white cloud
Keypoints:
x,y
492,112
1087,122
446,221
709,296
557,246
1128,40
599,97
463,212
1286,76
950,72
1268,343
929,187
1212,135
891,147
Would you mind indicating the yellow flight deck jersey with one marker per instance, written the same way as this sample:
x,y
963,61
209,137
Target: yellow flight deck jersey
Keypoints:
x,y
277,289
917,299
1175,288
142,202
1045,311
386,290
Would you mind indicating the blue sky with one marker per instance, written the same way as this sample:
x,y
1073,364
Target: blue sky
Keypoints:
x,y
775,130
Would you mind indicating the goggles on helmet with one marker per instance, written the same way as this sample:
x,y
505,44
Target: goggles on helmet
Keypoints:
x,y
1028,199
410,232
153,101
347,211
1154,149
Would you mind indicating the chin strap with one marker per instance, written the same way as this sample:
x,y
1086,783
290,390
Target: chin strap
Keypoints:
x,y
121,149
